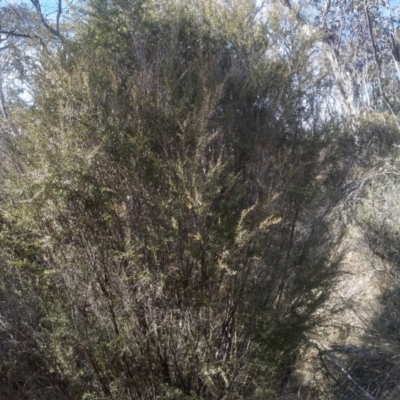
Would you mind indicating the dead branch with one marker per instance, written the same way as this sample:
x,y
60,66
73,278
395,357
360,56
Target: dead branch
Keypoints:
x,y
55,32
343,370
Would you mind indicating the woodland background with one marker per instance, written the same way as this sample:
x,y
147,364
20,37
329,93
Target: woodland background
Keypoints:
x,y
190,193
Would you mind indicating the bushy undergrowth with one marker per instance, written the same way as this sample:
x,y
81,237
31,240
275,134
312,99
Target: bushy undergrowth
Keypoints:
x,y
166,214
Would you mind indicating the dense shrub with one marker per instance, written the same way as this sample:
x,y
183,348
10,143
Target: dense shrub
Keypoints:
x,y
166,212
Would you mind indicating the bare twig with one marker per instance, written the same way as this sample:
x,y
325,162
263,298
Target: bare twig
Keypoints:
x,y
16,34
342,369
362,183
325,15
2,99
56,32
59,11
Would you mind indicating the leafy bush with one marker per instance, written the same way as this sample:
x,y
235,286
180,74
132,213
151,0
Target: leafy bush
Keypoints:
x,y
166,213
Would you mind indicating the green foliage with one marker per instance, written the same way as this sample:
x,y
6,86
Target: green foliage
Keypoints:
x,y
171,214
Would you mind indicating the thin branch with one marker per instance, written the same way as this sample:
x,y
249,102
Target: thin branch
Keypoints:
x,y
346,373
16,34
376,58
395,47
4,109
362,183
325,15
55,32
59,11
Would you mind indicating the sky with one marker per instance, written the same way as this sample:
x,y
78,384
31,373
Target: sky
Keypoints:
x,y
50,6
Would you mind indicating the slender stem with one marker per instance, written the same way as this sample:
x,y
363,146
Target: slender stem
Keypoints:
x,y
346,373
376,58
2,99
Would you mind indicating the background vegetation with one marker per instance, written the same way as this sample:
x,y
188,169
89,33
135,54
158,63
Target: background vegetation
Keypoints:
x,y
174,181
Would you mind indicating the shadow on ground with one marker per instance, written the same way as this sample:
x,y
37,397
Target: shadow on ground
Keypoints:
x,y
370,370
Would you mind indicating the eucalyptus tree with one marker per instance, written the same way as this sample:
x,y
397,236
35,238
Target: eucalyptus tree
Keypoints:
x,y
25,32
359,49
